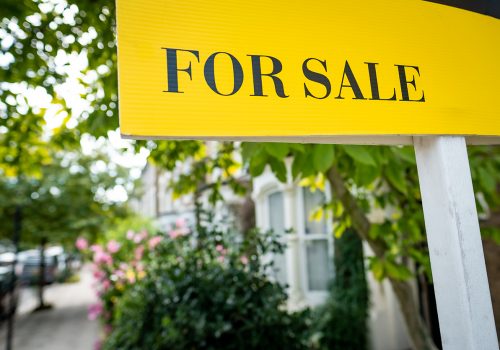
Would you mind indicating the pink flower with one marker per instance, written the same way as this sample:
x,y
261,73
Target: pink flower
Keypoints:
x,y
220,248
138,238
180,222
153,242
174,234
113,246
181,228
244,260
81,243
96,248
220,259
130,235
139,252
139,267
106,284
101,257
94,311
98,345
99,275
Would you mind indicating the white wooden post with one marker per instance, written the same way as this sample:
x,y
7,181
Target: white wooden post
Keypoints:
x,y
457,260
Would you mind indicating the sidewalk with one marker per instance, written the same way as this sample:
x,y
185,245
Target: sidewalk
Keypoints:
x,y
65,327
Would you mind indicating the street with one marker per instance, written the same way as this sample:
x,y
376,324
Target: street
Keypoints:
x,y
63,327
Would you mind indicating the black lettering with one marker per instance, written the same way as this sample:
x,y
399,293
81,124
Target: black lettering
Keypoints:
x,y
353,84
210,73
257,76
403,80
372,71
172,69
316,77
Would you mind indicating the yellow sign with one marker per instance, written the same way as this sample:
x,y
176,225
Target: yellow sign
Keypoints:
x,y
260,69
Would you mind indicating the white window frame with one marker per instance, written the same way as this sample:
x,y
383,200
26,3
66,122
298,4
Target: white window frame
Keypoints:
x,y
283,238
314,297
296,249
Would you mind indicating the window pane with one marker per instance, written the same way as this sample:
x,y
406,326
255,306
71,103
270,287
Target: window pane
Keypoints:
x,y
277,224
317,264
276,213
279,269
312,201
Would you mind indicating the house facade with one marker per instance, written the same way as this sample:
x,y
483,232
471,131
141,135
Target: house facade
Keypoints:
x,y
306,266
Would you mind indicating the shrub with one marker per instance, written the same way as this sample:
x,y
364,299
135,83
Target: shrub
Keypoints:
x,y
207,292
116,266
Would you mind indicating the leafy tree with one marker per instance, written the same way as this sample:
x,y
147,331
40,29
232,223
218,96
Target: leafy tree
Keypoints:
x,y
67,200
366,179
51,48
52,77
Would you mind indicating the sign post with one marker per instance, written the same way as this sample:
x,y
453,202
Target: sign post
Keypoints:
x,y
458,268
374,72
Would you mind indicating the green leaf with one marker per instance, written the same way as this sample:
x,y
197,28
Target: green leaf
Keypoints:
x,y
375,231
257,165
364,175
316,215
323,156
250,149
308,166
298,164
396,176
339,228
397,271
277,150
405,153
360,154
337,209
279,169
486,180
297,147
377,267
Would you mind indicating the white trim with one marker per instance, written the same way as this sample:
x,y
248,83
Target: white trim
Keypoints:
x,y
267,226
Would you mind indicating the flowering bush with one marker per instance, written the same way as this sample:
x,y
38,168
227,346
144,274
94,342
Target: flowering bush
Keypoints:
x,y
203,290
117,265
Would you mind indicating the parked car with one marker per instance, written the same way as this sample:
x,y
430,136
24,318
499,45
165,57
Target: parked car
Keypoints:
x,y
30,261
9,285
57,266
